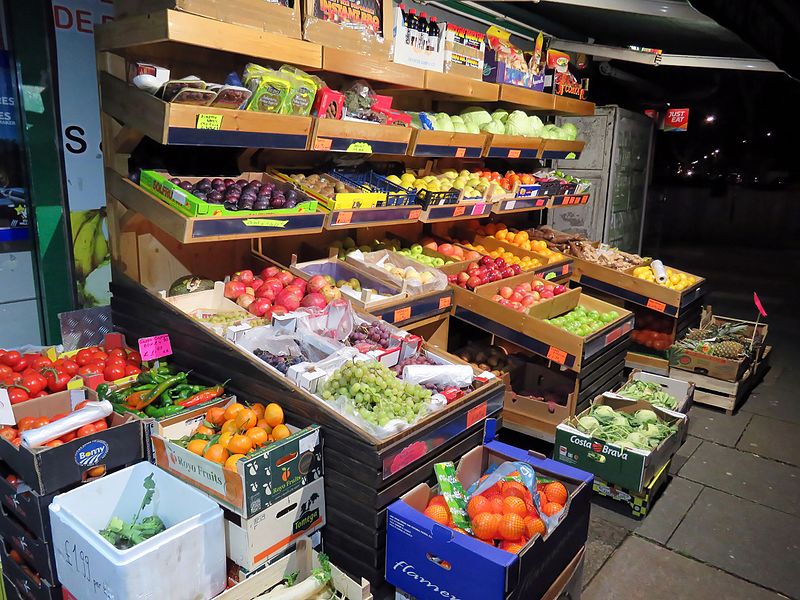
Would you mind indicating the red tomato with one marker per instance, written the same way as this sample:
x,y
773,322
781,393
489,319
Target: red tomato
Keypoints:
x,y
118,352
115,360
57,381
99,356
17,395
12,479
12,379
100,425
34,382
85,430
58,416
135,357
5,370
17,441
80,405
40,361
26,423
131,369
41,422
41,394
23,364
54,443
11,358
113,372
70,367
8,434
83,356
68,437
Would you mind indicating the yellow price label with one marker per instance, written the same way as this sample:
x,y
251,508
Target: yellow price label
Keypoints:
x,y
264,223
209,121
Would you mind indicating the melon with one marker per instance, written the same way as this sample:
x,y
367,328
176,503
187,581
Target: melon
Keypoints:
x,y
189,284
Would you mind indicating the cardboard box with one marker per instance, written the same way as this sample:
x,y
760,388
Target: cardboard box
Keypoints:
x,y
29,508
630,468
26,585
48,470
640,503
268,16
206,303
301,562
254,541
365,28
682,391
407,54
417,547
463,52
36,552
259,481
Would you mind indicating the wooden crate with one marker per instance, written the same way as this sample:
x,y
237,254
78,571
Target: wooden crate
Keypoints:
x,y
727,395
445,143
332,135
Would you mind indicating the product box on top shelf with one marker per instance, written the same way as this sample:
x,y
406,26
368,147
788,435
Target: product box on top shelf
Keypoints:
x,y
259,539
416,50
559,78
463,52
259,481
185,560
298,566
365,28
505,63
50,469
282,17
26,584
430,560
626,466
642,386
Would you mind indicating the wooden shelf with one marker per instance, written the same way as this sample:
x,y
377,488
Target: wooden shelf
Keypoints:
x,y
562,149
528,98
331,135
365,66
184,28
571,106
513,146
457,87
425,142
208,229
456,212
517,205
350,218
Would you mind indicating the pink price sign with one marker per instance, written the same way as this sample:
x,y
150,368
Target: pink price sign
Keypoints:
x,y
155,347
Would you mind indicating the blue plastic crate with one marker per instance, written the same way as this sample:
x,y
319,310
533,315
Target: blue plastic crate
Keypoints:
x,y
395,195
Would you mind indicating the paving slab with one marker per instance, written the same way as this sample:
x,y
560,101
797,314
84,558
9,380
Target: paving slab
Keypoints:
x,y
745,475
715,425
603,539
773,401
771,438
669,509
741,537
684,452
642,569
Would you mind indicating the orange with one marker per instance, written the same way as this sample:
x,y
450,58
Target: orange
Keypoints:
x,y
495,490
264,425
197,446
552,508
225,438
497,505
215,415
217,454
556,492
534,526
438,500
280,432
258,435
245,419
203,430
512,547
484,526
514,505
230,464
477,505
231,411
258,408
273,414
240,444
511,527
229,426
438,513
514,488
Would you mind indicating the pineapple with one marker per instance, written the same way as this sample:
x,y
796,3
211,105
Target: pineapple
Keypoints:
x,y
729,349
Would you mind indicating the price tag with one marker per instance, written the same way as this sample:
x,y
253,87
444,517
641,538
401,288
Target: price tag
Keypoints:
x,y
208,122
265,223
415,214
344,218
477,209
401,314
459,210
322,143
510,204
541,202
460,152
474,415
445,302
154,347
6,413
565,269
656,305
614,335
514,153
557,355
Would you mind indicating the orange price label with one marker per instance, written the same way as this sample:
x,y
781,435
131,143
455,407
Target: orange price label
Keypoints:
x,y
322,143
401,314
460,152
474,415
557,355
415,214
445,302
514,153
656,305
459,210
565,269
344,218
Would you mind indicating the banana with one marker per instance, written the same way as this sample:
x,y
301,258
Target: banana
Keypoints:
x,y
100,251
83,244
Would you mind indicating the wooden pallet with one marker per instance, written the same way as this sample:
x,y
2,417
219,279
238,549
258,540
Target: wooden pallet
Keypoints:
x,y
727,395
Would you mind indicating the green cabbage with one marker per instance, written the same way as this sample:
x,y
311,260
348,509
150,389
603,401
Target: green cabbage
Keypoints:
x,y
500,115
569,131
645,416
493,127
476,115
518,123
459,127
472,128
536,126
456,119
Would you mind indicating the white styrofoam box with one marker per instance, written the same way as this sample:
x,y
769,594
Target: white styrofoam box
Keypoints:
x,y
682,391
17,277
185,562
20,323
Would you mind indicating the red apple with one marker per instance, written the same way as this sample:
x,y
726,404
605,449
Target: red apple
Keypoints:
x,y
331,293
497,298
266,291
549,286
267,314
452,278
526,286
257,283
536,296
485,261
516,305
316,283
516,297
245,276
285,277
505,291
429,243
472,267
528,300
546,294
294,289
462,277
559,289
473,282
269,272
245,300
259,306
234,289
507,272
499,262
299,282
314,300
517,269
446,249
278,310
288,299
273,283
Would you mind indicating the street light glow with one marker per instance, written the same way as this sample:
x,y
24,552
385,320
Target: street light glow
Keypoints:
x,y
711,118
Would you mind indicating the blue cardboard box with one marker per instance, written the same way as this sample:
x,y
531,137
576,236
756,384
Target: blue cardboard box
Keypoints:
x,y
430,561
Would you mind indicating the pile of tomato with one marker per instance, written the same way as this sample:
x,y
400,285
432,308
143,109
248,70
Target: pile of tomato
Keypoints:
x,y
27,376
509,180
12,434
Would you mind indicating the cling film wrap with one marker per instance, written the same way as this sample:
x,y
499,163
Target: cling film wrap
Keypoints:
x,y
520,472
453,492
379,264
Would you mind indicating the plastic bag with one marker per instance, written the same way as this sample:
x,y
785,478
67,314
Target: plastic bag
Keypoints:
x,y
335,321
402,271
459,376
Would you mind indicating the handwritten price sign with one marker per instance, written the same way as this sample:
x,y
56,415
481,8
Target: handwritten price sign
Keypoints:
x,y
155,347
